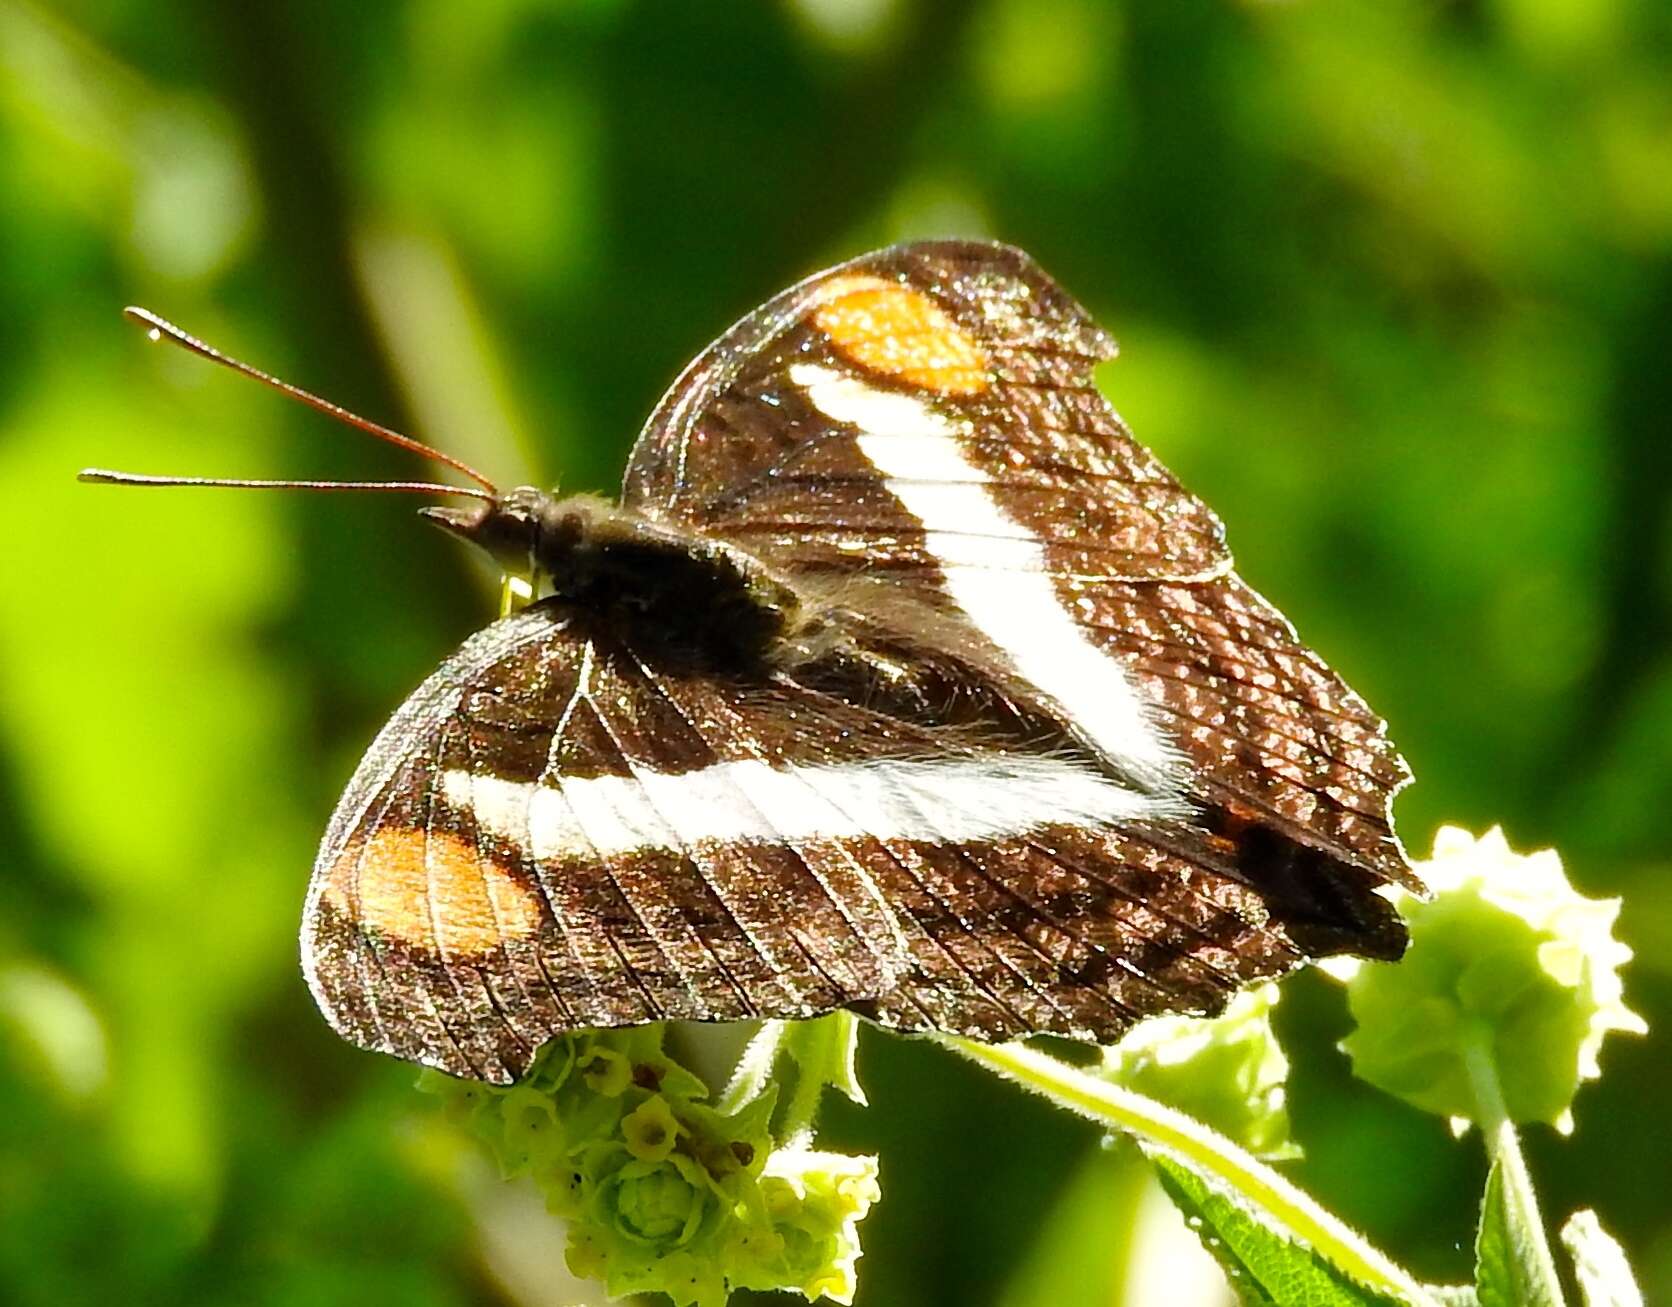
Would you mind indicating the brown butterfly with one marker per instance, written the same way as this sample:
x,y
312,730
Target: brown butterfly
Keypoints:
x,y
901,680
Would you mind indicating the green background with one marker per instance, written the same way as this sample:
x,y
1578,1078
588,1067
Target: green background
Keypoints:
x,y
1393,282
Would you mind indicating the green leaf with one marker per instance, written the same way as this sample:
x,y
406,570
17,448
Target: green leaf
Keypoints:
x,y
753,1072
824,1051
822,1054
1506,1266
753,1120
1599,1263
1264,1265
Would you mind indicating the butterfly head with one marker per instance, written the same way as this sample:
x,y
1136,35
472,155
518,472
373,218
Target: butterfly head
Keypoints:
x,y
521,530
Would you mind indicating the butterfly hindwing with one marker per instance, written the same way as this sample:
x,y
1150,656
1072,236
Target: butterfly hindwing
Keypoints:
x,y
559,830
549,835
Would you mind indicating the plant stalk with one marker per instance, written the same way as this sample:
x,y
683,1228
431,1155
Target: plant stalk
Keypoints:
x,y
1158,1126
1503,1145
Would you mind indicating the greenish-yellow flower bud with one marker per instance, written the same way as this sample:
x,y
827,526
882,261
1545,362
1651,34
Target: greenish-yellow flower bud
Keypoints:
x,y
1506,962
815,1202
661,1192
530,1131
606,1072
650,1129
654,1202
1227,1071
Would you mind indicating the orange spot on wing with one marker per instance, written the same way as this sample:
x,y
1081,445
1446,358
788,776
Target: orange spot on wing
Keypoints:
x,y
434,891
901,333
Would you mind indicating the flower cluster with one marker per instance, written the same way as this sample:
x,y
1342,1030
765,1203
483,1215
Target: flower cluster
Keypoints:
x,y
1508,965
662,1192
1227,1071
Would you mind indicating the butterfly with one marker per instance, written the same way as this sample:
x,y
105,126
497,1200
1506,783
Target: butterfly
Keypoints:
x,y
901,680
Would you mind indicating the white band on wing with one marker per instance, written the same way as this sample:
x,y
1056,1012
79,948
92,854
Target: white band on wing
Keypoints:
x,y
995,569
951,800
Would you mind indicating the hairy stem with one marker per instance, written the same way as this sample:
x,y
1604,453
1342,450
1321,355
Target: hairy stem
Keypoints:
x,y
1157,1126
1504,1147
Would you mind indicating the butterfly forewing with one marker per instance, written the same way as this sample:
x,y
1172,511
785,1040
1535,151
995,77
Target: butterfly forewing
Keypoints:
x,y
937,373
821,431
1273,736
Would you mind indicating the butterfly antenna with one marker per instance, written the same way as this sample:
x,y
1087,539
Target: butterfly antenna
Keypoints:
x,y
105,477
161,329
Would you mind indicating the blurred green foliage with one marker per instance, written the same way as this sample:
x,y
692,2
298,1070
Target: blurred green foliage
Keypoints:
x,y
1394,285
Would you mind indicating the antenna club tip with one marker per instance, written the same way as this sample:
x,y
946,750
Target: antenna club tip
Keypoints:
x,y
92,474
152,324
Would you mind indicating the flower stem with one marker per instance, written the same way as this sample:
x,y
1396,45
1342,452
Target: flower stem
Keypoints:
x,y
1156,1125
1504,1147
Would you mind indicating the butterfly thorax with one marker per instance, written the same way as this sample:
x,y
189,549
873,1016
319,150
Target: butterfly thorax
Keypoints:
x,y
704,601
